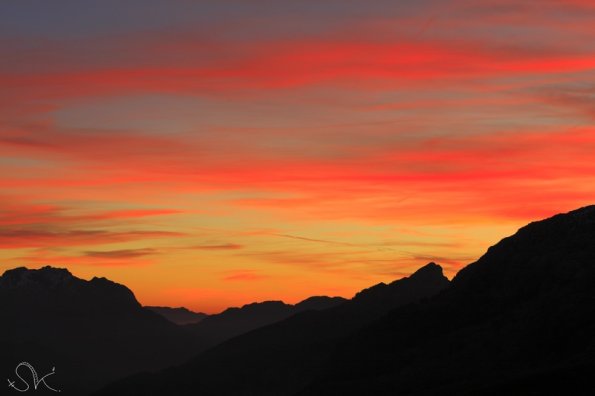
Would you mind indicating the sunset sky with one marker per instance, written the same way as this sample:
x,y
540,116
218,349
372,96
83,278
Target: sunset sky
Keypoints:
x,y
214,153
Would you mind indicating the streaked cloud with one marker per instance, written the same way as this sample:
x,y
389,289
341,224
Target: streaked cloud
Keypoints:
x,y
25,238
121,254
223,246
244,276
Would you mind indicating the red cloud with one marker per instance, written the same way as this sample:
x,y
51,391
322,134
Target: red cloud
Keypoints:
x,y
379,65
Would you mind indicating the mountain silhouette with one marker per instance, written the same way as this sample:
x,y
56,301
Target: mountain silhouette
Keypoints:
x,y
283,357
318,303
92,331
179,316
519,321
235,321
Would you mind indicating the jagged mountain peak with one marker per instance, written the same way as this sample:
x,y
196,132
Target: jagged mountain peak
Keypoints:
x,y
319,302
43,277
428,271
430,275
58,286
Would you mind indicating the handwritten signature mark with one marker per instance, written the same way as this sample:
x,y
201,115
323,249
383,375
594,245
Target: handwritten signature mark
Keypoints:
x,y
36,379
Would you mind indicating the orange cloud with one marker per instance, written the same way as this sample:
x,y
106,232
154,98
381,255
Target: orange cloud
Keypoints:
x,y
244,275
121,254
224,246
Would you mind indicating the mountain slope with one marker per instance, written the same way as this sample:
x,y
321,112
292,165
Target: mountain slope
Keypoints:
x,y
284,357
235,321
179,316
90,331
520,320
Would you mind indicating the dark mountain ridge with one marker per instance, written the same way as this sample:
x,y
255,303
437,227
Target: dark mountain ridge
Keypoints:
x,y
235,321
95,331
179,315
48,286
90,331
518,321
285,356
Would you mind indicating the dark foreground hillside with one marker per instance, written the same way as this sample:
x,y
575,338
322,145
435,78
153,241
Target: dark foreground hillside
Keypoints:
x,y
180,315
94,332
90,331
232,322
519,321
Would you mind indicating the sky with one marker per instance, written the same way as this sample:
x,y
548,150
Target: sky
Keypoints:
x,y
214,153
